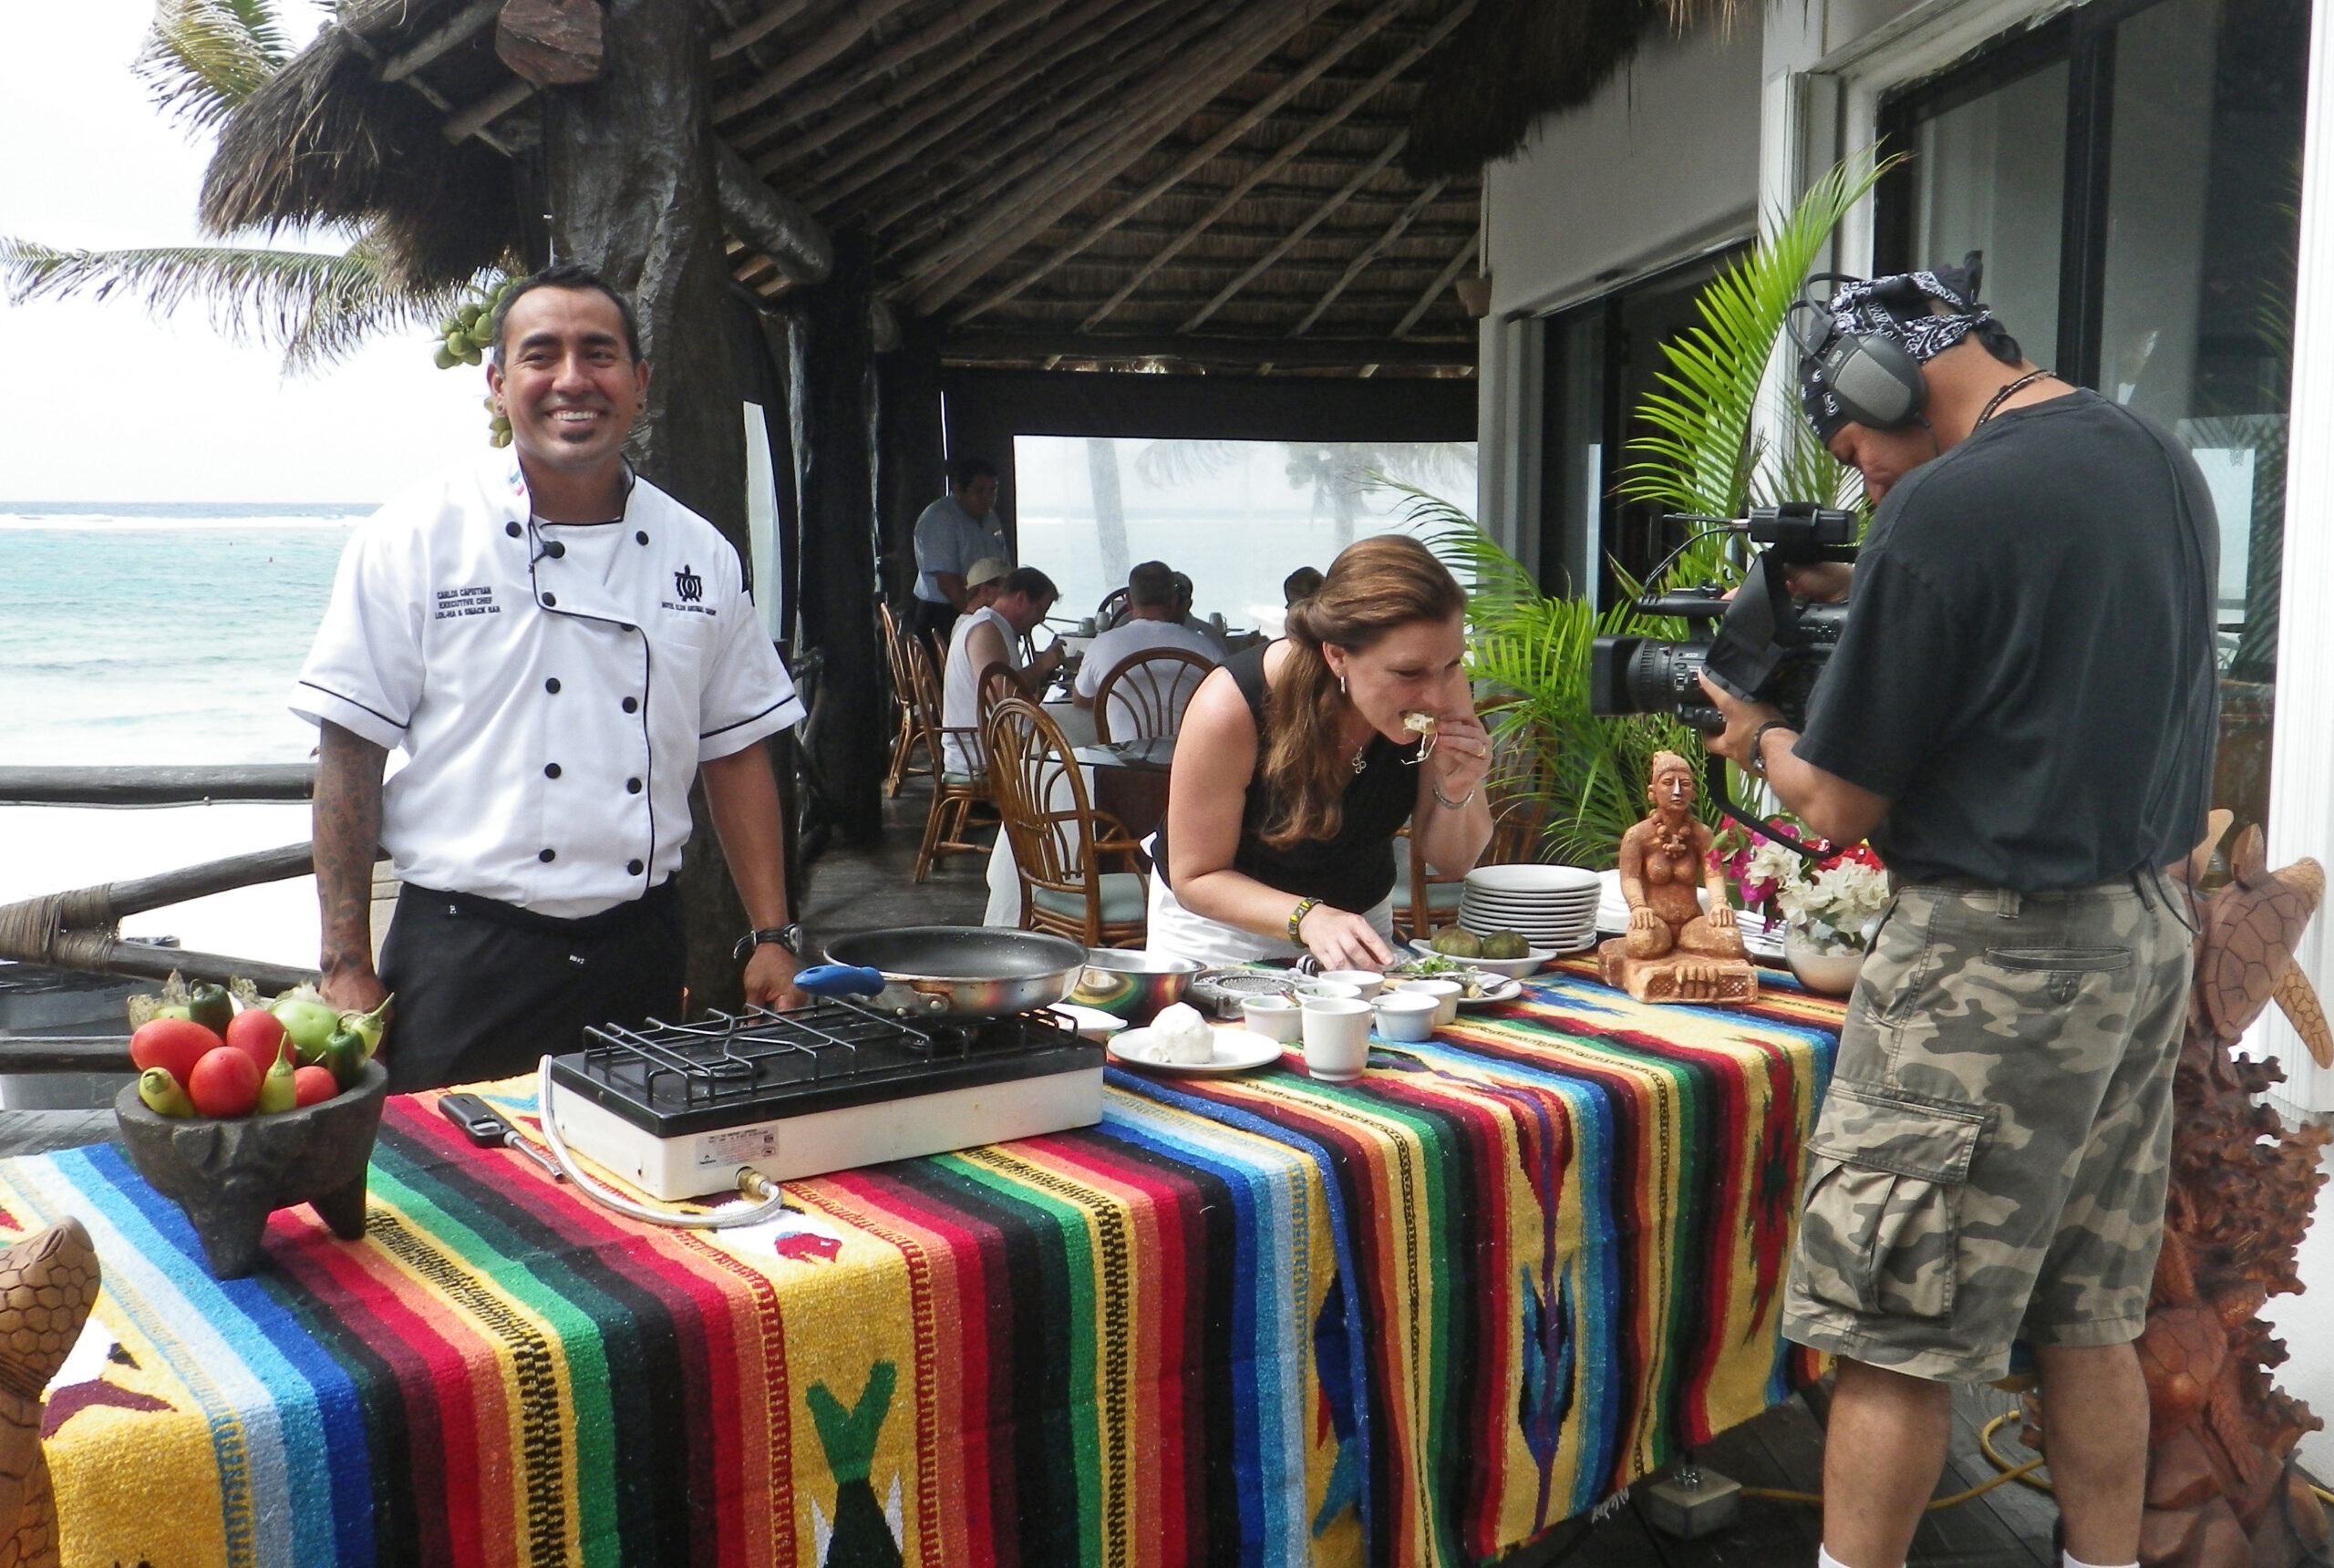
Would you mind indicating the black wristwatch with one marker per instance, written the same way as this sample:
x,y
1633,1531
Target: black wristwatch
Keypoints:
x,y
788,936
1757,766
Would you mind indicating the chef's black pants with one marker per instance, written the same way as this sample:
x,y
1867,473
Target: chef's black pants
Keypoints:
x,y
484,989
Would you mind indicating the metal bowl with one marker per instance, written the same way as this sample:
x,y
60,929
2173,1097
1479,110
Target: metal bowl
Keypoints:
x,y
944,973
1134,986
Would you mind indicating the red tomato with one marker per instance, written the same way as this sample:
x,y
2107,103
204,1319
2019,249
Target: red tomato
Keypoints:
x,y
225,1082
257,1032
312,1084
174,1045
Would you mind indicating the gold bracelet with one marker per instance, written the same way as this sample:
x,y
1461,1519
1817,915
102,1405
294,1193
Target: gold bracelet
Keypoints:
x,y
1305,906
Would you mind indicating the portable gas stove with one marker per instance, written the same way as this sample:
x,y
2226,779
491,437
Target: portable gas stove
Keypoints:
x,y
675,1109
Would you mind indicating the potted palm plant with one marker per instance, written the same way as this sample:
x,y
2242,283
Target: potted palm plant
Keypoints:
x,y
1706,455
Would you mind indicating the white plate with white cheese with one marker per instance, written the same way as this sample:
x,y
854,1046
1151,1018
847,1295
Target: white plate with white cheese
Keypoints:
x,y
1237,1050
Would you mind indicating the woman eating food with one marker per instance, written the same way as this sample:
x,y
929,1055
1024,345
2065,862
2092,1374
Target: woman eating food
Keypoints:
x,y
1299,761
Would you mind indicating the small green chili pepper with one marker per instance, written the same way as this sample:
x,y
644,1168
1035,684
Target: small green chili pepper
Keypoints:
x,y
211,1006
344,1055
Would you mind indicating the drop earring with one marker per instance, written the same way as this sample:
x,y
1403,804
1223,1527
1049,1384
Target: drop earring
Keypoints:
x,y
1341,686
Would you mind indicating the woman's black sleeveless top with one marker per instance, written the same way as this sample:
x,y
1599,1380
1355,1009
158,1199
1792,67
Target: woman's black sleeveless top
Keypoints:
x,y
1353,871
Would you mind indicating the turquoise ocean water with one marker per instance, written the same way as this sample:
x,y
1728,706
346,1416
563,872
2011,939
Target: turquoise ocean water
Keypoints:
x,y
160,634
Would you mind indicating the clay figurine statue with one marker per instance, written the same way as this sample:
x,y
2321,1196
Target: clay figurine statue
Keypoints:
x,y
1673,952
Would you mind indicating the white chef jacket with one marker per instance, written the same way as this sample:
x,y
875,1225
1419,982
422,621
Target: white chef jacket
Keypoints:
x,y
555,685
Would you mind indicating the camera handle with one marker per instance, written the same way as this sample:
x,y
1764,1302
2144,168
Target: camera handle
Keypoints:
x,y
1714,780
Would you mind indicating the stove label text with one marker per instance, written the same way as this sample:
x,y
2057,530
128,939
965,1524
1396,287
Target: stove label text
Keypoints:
x,y
739,1146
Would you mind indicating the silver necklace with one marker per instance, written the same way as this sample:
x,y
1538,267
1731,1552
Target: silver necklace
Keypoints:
x,y
1360,757
2006,393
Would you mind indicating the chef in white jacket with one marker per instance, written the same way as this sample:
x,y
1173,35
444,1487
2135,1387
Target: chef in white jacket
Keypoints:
x,y
561,649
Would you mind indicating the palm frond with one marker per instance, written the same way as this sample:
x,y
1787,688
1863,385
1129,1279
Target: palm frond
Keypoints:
x,y
1702,458
202,59
315,306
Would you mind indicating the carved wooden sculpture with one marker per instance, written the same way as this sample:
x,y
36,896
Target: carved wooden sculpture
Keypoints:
x,y
1673,952
2222,1491
49,1283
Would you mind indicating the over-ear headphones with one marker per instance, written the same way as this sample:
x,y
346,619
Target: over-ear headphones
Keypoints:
x,y
1872,376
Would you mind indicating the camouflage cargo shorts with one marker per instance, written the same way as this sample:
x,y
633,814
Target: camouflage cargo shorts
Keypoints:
x,y
1990,1160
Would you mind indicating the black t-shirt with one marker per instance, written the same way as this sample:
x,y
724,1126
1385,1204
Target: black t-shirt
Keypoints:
x,y
2027,671
1353,871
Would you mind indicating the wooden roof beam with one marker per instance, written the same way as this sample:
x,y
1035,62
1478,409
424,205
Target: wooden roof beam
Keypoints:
x,y
760,27
1105,77
1116,139
464,26
1290,242
800,106
840,35
1287,155
940,90
1312,352
468,123
1082,59
1190,163
1353,268
1443,279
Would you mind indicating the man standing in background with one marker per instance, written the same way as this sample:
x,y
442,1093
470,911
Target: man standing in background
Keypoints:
x,y
959,529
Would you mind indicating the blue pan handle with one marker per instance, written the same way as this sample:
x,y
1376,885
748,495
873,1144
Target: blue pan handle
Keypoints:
x,y
839,980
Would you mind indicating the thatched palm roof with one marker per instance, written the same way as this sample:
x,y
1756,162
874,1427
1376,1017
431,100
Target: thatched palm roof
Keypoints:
x,y
1210,180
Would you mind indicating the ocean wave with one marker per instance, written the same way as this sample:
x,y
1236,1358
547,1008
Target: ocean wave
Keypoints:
x,y
90,522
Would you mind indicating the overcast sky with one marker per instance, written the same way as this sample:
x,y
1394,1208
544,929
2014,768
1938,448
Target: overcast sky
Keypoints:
x,y
102,402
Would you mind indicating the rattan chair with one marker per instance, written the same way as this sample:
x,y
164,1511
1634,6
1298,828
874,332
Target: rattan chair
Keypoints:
x,y
1060,842
1148,693
996,683
955,792
907,735
1112,610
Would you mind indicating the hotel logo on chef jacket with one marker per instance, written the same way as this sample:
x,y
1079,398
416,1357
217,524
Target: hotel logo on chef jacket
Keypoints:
x,y
688,590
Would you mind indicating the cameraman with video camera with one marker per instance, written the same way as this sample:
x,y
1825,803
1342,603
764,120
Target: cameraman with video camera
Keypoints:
x,y
2020,716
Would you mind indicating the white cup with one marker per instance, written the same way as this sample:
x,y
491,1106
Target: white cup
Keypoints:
x,y
1446,995
1337,1037
1086,627
1366,983
1406,1016
1306,990
1274,1017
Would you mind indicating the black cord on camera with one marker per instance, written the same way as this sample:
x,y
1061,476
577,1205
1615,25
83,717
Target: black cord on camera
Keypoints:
x,y
1650,588
1714,780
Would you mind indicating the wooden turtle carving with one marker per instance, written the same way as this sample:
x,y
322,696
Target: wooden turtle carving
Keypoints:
x,y
49,1283
2221,1490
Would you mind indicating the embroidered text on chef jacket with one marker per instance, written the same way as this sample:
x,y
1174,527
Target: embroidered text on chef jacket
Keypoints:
x,y
555,685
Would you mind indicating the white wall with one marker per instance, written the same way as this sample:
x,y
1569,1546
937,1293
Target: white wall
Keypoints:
x,y
1661,165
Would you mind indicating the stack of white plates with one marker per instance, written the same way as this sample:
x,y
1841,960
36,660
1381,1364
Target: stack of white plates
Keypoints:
x,y
1553,907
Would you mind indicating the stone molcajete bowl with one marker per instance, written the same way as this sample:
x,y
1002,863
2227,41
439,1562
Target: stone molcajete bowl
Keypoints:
x,y
230,1175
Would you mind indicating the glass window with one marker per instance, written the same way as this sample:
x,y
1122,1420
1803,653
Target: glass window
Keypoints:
x,y
1237,517
1572,473
2197,309
2186,122
1990,175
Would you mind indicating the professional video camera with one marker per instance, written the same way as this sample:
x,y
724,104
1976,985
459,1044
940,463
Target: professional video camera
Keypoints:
x,y
1763,645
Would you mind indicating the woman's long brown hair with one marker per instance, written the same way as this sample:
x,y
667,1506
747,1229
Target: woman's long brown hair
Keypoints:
x,y
1373,587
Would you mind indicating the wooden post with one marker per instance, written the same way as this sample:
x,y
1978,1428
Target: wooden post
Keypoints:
x,y
629,161
911,454
838,617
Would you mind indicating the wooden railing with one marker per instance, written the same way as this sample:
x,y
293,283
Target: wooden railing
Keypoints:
x,y
79,929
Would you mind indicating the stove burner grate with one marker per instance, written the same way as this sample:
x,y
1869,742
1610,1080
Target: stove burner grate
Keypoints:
x,y
761,1056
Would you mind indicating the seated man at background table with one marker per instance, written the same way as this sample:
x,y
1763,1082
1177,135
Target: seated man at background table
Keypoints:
x,y
1301,584
1990,1161
1150,623
992,636
959,529
1220,640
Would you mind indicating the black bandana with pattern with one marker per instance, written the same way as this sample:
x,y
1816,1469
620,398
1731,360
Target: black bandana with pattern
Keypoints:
x,y
1896,306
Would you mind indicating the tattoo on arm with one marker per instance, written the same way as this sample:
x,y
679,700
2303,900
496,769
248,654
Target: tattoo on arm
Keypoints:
x,y
347,841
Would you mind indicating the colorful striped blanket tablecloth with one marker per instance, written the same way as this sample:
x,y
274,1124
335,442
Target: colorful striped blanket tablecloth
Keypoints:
x,y
1413,1319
